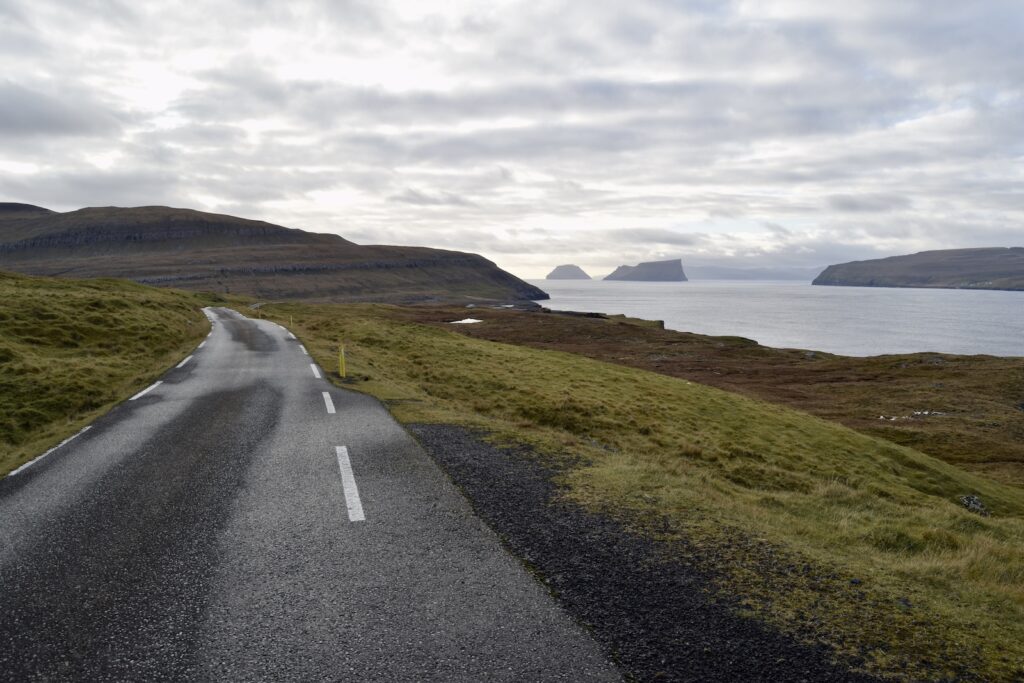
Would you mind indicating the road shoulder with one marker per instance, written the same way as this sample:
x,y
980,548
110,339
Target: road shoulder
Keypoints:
x,y
651,612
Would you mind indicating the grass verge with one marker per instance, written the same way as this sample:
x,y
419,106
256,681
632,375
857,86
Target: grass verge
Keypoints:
x,y
71,349
832,535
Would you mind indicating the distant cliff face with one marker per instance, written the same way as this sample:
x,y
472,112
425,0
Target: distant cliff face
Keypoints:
x,y
652,271
210,252
990,268
568,272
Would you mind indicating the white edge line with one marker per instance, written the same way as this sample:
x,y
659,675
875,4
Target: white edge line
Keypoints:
x,y
182,363
316,373
145,391
304,349
40,457
329,403
291,335
348,485
201,344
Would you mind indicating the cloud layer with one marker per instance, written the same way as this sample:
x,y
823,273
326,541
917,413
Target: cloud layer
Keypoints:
x,y
780,132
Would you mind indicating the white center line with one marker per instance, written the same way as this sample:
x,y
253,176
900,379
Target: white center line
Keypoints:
x,y
182,363
145,391
348,484
304,349
329,403
316,373
37,459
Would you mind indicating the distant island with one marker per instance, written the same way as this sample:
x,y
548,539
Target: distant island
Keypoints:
x,y
652,271
568,272
985,268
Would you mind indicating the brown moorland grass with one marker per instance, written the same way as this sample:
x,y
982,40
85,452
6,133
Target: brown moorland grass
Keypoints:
x,y
71,349
832,535
974,404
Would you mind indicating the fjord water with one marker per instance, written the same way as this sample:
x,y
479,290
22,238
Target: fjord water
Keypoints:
x,y
854,321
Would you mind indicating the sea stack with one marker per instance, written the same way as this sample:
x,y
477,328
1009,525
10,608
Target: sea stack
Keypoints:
x,y
652,271
568,272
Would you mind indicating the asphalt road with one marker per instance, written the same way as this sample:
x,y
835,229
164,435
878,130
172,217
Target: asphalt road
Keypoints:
x,y
245,520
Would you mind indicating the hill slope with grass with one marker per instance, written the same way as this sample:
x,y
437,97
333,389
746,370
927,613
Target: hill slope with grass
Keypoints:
x,y
831,535
194,250
994,268
69,350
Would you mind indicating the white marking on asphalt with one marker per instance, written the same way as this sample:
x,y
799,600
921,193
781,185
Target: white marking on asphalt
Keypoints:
x,y
304,349
291,335
38,458
348,485
145,391
329,403
182,363
202,344
316,373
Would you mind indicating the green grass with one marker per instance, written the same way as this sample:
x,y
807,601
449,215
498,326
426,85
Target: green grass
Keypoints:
x,y
71,349
832,535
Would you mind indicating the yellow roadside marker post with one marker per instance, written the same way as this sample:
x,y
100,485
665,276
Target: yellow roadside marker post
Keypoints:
x,y
341,361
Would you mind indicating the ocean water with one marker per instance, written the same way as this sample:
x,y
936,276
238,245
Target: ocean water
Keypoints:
x,y
855,321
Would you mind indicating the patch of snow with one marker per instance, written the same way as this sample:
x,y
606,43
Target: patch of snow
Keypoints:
x,y
466,321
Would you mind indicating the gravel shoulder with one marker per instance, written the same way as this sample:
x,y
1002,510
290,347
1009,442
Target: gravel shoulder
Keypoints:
x,y
653,614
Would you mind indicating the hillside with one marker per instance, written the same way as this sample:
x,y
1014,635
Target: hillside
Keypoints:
x,y
651,271
211,252
70,349
988,268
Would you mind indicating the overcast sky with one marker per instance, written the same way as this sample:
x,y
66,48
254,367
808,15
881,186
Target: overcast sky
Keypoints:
x,y
772,132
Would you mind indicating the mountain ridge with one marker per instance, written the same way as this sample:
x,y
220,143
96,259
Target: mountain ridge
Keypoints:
x,y
975,268
222,253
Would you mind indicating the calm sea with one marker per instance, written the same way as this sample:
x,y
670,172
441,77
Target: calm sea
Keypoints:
x,y
856,321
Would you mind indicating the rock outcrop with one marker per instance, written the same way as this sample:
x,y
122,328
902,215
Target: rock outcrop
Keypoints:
x,y
986,268
652,271
568,272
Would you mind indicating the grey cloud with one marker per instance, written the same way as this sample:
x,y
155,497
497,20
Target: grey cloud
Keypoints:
x,y
656,236
28,112
413,196
868,202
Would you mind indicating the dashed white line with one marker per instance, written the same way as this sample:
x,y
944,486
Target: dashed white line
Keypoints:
x,y
329,403
202,344
304,349
182,363
291,336
37,459
348,485
316,373
145,391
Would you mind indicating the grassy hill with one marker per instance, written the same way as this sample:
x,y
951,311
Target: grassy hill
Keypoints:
x,y
201,251
69,350
832,535
995,268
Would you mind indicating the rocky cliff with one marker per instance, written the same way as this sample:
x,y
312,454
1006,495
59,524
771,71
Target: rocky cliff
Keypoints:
x,y
568,272
987,268
652,271
212,252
